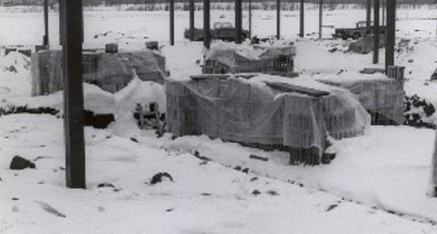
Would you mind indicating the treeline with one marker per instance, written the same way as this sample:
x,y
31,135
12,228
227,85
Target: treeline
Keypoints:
x,y
260,2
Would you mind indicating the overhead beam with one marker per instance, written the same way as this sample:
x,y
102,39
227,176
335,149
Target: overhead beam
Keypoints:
x,y
376,31
238,22
390,34
206,24
73,93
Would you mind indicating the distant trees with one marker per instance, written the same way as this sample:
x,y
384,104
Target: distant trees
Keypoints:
x,y
265,4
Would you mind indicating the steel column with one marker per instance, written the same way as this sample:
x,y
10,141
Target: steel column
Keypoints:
x,y
73,93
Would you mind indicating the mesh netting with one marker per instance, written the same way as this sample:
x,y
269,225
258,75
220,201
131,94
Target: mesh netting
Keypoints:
x,y
111,72
383,96
246,111
231,58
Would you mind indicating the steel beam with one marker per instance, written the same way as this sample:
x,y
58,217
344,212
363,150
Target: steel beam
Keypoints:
x,y
302,19
390,34
206,24
278,19
320,18
376,31
46,23
238,22
171,22
73,93
192,10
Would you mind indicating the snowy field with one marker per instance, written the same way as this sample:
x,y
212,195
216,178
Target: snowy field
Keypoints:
x,y
378,183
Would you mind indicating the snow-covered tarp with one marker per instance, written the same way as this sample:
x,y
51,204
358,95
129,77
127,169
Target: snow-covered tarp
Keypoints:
x,y
377,94
250,111
111,72
231,58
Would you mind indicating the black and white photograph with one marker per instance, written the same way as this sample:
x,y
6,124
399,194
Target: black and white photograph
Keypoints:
x,y
218,116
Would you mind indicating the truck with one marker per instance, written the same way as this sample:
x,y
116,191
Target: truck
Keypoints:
x,y
357,32
221,31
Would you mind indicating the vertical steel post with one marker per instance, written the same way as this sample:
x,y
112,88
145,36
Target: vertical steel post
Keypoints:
x,y
61,21
390,34
278,19
250,18
383,11
192,6
375,31
320,18
46,23
368,14
302,19
238,22
206,24
73,93
171,22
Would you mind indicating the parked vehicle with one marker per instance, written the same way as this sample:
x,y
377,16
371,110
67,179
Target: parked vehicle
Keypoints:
x,y
357,32
221,31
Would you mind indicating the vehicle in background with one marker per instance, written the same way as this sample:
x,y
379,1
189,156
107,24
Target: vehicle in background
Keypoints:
x,y
221,31
356,32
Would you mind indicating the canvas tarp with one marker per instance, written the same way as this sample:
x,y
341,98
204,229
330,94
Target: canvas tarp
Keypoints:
x,y
383,95
246,111
101,69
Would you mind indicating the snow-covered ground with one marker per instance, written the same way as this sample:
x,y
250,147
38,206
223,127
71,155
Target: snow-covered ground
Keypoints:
x,y
378,183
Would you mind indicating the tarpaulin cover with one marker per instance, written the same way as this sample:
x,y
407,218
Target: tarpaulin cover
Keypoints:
x,y
246,58
247,111
98,68
382,95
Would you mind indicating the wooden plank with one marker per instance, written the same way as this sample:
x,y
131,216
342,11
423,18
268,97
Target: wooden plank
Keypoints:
x,y
285,87
73,92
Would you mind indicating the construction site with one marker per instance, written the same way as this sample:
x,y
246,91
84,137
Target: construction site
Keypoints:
x,y
216,117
